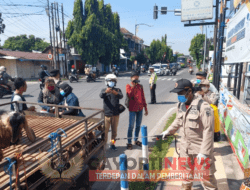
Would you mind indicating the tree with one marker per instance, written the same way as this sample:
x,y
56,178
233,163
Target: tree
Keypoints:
x,y
195,48
141,58
24,43
132,59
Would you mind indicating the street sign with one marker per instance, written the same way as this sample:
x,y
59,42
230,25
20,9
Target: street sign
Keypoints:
x,y
164,10
50,56
196,10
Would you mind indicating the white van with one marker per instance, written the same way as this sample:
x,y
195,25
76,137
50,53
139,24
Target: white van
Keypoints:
x,y
159,70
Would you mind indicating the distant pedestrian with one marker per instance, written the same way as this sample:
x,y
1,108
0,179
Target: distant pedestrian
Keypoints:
x,y
152,85
136,104
111,97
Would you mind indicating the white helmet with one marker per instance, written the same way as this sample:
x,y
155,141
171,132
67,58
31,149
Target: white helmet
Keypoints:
x,y
2,68
110,77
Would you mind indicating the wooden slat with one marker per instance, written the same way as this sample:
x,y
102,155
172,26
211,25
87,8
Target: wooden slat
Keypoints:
x,y
42,127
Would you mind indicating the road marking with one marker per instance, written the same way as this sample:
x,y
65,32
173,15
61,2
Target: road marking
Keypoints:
x,y
164,79
170,79
174,79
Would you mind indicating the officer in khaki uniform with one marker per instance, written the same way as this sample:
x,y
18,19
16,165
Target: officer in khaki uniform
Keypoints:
x,y
195,118
206,94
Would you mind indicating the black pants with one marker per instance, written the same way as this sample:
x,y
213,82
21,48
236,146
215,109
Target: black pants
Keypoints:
x,y
152,92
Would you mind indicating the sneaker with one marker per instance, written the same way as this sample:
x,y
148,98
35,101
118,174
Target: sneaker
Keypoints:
x,y
112,147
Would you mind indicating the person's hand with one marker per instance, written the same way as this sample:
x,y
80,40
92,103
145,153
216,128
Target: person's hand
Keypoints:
x,y
146,113
165,133
200,157
151,87
108,90
32,108
60,113
114,92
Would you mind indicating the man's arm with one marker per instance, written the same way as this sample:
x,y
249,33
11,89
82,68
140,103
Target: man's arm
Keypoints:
x,y
119,93
212,99
207,118
143,99
153,79
103,93
40,100
176,124
17,98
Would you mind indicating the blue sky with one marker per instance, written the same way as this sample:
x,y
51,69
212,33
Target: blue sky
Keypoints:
x,y
130,11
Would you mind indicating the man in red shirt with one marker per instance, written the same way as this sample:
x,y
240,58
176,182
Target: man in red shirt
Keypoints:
x,y
136,104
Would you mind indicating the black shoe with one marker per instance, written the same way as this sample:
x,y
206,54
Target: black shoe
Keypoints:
x,y
112,147
151,103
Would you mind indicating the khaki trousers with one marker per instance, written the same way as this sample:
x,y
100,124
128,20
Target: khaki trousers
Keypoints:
x,y
208,184
113,122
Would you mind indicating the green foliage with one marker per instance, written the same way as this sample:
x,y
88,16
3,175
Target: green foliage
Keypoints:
x,y
132,58
195,47
157,50
141,58
96,33
24,43
211,48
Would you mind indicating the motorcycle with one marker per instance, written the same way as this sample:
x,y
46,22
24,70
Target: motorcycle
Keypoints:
x,y
5,90
191,71
143,70
90,77
173,72
167,72
73,77
115,72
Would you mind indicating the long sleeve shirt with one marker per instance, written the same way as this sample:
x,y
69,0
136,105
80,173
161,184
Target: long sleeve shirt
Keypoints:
x,y
136,98
153,79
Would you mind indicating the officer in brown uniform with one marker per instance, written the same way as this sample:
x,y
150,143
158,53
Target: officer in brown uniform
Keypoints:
x,y
195,118
206,94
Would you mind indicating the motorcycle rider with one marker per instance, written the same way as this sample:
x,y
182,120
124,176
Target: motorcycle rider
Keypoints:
x,y
5,77
43,73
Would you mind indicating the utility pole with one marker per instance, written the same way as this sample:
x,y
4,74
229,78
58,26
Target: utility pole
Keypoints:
x,y
65,49
53,29
58,62
205,49
2,26
50,29
215,40
59,29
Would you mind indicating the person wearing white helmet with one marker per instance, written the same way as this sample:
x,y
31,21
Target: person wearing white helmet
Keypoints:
x,y
111,97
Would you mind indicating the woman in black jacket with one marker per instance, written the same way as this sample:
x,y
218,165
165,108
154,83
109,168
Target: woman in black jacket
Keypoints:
x,y
50,94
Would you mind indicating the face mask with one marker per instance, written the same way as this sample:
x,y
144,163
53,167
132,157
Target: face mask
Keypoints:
x,y
182,98
51,88
204,89
111,84
62,93
198,81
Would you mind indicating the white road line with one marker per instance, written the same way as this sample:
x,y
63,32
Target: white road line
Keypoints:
x,y
170,79
174,79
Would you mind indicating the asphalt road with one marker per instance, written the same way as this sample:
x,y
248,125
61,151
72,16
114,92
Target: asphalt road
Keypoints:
x,y
88,94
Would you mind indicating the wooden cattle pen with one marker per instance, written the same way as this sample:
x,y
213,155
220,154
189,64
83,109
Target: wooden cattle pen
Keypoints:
x,y
85,140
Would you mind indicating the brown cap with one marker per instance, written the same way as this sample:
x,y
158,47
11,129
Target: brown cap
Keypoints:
x,y
205,82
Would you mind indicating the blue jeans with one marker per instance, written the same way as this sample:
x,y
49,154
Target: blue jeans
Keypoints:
x,y
132,117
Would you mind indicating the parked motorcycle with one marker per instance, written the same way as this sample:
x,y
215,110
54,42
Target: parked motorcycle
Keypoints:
x,y
167,72
5,90
73,77
173,71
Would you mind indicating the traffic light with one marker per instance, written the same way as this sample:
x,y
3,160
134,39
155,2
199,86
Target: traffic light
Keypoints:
x,y
155,12
164,10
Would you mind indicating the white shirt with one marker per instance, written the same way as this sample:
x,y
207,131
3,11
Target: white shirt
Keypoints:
x,y
18,98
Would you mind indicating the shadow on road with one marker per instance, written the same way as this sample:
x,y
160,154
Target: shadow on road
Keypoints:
x,y
6,97
28,96
166,103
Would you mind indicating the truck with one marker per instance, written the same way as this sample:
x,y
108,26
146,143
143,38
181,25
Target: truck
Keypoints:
x,y
66,148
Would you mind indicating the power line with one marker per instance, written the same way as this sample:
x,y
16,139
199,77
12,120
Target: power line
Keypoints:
x,y
21,5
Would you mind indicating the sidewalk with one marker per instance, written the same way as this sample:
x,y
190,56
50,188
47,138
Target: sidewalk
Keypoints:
x,y
229,174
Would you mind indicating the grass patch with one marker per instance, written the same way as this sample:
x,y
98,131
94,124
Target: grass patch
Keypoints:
x,y
157,154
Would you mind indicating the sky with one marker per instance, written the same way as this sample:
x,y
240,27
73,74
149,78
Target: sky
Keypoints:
x,y
130,11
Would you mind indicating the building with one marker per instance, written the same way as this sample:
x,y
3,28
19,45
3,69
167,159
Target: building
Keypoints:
x,y
23,64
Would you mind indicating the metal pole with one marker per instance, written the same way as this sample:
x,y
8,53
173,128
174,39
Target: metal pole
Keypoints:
x,y
205,49
50,29
145,157
65,49
123,170
58,62
221,46
239,82
53,29
235,78
58,17
215,39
